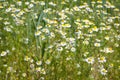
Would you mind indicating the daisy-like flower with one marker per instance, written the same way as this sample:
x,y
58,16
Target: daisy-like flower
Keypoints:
x,y
39,62
103,71
66,25
37,33
43,71
9,69
42,3
108,50
30,6
95,29
4,53
111,65
101,59
90,60
97,44
86,42
38,69
60,49
107,37
73,49
26,58
39,27
48,62
24,74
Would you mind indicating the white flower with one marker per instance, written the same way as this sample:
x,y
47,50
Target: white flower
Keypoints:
x,y
108,50
73,49
4,53
78,65
68,58
78,73
43,71
90,60
95,29
48,62
101,59
86,42
30,6
103,71
39,62
37,33
39,27
9,69
26,3
107,37
97,44
38,69
42,3
26,58
24,74
60,49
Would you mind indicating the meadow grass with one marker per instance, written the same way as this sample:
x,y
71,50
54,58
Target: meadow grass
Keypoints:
x,y
59,40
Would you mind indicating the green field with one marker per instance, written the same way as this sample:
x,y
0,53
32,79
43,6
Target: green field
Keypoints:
x,y
59,39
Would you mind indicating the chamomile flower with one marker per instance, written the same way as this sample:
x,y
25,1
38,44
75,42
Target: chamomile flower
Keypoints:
x,y
4,53
24,74
101,59
37,33
48,62
90,60
97,44
39,62
38,69
103,71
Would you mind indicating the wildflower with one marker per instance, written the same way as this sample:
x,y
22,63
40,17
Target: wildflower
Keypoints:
x,y
39,62
48,62
9,69
101,59
38,69
76,8
24,74
85,42
73,49
97,44
103,71
42,3
116,45
90,60
108,50
19,3
107,37
30,5
42,78
26,58
32,66
4,53
63,43
111,65
95,29
43,71
1,6
27,3
52,35
66,25
68,58
60,49
39,27
52,4
78,65
37,33
78,73
86,53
